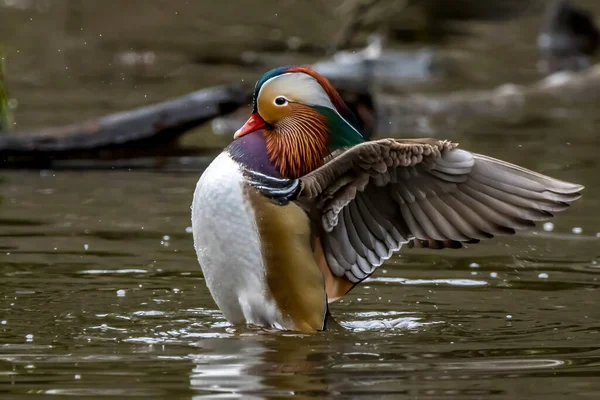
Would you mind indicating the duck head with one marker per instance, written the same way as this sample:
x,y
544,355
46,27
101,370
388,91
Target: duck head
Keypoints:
x,y
302,119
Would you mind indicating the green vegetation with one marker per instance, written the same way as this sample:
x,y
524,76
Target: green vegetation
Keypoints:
x,y
6,117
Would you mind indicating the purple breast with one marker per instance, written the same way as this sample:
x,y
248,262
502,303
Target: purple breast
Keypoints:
x,y
251,151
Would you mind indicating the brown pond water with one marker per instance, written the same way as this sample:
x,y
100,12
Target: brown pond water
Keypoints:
x,y
101,295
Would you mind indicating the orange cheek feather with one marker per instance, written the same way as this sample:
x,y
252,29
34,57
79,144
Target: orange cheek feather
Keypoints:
x,y
298,143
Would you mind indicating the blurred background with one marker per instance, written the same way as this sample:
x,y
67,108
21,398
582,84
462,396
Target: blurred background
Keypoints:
x,y
100,291
68,61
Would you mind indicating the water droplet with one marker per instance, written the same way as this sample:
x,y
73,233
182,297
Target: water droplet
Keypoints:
x,y
175,290
120,293
29,337
166,237
473,272
188,229
543,275
493,274
294,43
509,316
577,230
77,377
86,246
3,322
473,265
548,226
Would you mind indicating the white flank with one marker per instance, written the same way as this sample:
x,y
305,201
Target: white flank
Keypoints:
x,y
227,244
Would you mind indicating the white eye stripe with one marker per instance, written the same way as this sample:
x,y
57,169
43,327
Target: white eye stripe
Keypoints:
x,y
305,89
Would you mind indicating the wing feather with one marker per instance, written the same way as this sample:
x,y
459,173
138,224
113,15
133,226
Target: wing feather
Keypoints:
x,y
379,195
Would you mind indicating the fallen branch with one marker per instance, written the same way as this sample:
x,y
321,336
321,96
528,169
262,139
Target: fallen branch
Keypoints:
x,y
153,131
147,131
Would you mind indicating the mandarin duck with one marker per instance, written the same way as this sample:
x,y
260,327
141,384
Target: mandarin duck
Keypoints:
x,y
300,207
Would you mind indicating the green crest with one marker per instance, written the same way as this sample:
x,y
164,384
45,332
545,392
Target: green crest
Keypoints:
x,y
341,132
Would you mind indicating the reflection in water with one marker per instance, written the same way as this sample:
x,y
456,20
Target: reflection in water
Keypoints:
x,y
269,365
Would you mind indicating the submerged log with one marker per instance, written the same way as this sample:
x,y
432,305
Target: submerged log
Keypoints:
x,y
147,131
152,131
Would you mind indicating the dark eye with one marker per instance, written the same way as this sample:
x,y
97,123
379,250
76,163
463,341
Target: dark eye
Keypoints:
x,y
280,101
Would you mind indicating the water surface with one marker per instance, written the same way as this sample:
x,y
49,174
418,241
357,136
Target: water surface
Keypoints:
x,y
101,295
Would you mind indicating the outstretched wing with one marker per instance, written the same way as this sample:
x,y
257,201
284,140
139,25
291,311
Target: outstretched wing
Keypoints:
x,y
374,197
